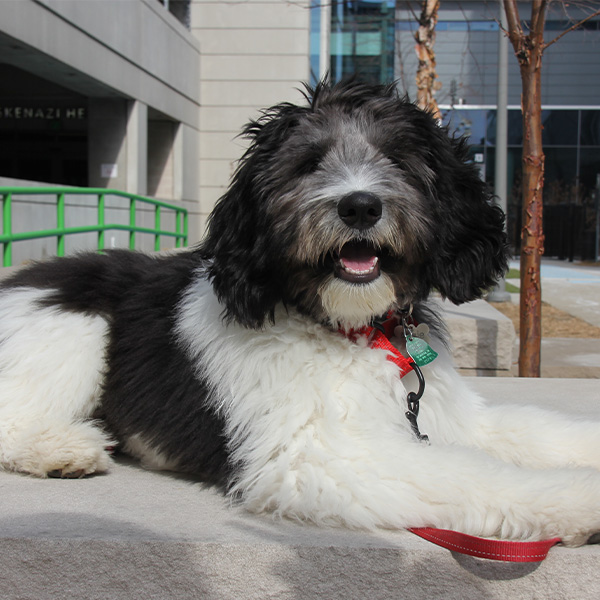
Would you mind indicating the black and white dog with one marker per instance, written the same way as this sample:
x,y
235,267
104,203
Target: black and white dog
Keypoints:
x,y
245,361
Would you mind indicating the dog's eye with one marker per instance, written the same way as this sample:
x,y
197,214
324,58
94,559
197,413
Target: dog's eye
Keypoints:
x,y
309,165
395,160
311,157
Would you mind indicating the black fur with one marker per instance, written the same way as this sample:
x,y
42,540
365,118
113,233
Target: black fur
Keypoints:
x,y
150,385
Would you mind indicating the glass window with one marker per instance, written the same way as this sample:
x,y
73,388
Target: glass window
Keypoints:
x,y
514,177
560,175
560,127
315,41
470,123
362,40
590,128
589,168
514,127
180,9
572,168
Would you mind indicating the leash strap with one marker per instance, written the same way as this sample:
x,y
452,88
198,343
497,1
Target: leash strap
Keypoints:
x,y
486,548
455,541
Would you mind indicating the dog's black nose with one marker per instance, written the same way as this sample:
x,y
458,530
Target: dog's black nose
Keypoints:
x,y
360,210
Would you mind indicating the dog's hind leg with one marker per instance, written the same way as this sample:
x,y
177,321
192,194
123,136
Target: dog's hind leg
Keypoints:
x,y
51,364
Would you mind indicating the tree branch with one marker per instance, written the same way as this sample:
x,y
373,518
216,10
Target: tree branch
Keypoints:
x,y
412,10
578,24
538,18
515,32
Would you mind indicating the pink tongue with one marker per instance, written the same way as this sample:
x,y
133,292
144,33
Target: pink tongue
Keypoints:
x,y
357,257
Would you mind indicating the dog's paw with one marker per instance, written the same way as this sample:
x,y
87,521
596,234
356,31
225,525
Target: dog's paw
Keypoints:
x,y
60,474
65,450
576,540
573,541
70,466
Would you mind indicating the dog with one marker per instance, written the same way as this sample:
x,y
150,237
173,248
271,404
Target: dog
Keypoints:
x,y
249,361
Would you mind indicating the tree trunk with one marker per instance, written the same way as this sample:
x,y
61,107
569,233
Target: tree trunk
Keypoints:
x,y
427,81
529,50
532,236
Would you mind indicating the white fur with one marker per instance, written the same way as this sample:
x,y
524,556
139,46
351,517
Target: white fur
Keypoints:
x,y
346,304
318,424
51,365
149,457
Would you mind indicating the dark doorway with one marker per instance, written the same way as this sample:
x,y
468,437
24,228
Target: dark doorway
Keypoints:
x,y
43,130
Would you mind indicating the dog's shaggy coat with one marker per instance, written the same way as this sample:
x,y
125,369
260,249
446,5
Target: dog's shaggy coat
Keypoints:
x,y
232,361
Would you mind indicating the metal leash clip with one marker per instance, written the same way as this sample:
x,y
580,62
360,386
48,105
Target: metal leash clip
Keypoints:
x,y
413,398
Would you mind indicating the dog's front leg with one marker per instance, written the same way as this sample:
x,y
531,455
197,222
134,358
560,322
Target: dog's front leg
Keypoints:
x,y
369,482
336,450
481,495
477,494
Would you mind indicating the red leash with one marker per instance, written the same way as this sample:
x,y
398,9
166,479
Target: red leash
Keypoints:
x,y
485,547
455,541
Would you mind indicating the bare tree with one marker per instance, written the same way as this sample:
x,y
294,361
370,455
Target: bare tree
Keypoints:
x,y
529,47
427,81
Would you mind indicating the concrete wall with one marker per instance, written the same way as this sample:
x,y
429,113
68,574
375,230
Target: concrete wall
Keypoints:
x,y
161,173
107,142
253,55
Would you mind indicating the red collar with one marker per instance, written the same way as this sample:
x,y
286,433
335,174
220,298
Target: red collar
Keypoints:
x,y
379,337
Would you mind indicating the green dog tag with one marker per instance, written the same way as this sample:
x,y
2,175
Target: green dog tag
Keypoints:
x,y
420,351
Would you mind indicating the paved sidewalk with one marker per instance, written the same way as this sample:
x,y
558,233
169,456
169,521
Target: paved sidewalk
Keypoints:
x,y
574,289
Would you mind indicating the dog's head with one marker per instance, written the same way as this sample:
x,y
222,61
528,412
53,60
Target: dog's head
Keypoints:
x,y
347,207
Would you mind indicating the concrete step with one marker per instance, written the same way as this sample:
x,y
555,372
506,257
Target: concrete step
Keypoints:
x,y
482,338
138,534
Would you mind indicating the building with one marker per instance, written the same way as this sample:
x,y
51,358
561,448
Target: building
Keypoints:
x,y
253,54
145,96
97,94
148,96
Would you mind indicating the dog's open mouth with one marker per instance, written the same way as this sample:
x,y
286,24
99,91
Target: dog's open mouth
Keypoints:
x,y
357,262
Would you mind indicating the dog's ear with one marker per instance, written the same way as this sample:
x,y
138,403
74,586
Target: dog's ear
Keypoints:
x,y
471,253
242,262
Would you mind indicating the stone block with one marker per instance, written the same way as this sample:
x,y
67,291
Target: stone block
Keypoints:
x,y
481,338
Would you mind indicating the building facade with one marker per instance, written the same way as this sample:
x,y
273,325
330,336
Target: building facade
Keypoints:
x,y
253,54
149,96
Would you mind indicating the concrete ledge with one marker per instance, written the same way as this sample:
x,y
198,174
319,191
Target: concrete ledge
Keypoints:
x,y
138,534
482,338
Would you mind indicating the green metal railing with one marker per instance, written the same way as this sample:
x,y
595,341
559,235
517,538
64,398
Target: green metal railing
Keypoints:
x,y
7,195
